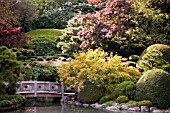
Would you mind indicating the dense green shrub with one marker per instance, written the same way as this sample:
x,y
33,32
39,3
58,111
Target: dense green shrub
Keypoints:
x,y
32,59
43,46
42,72
10,69
155,56
134,58
154,86
7,100
122,99
109,103
49,58
126,88
145,103
90,94
40,59
23,54
104,99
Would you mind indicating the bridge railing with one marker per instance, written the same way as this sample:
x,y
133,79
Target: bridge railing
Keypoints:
x,y
39,87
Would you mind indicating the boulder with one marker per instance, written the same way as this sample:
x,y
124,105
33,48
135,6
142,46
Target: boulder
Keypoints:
x,y
125,107
115,104
167,111
153,108
144,109
85,105
158,111
111,108
104,106
134,109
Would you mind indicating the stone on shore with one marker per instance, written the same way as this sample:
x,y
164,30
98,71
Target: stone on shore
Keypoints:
x,y
125,107
134,109
153,108
144,109
158,111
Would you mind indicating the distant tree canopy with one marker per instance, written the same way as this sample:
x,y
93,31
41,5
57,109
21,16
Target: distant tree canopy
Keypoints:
x,y
56,13
13,12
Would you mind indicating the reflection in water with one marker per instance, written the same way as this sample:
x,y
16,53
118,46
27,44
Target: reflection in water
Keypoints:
x,y
57,108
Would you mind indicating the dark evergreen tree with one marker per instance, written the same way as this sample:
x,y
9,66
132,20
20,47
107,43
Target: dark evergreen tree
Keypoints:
x,y
10,70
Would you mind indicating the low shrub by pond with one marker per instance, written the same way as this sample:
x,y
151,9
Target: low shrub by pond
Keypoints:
x,y
9,100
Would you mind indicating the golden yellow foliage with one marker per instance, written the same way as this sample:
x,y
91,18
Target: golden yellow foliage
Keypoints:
x,y
96,67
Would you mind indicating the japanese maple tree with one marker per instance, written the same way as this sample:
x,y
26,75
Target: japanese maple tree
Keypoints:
x,y
12,36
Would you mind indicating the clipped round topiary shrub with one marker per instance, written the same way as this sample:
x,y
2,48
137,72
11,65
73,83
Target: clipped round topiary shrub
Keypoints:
x,y
122,99
104,99
145,103
90,94
155,56
154,86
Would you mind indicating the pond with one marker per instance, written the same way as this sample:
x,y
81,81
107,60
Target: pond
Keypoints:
x,y
57,108
50,107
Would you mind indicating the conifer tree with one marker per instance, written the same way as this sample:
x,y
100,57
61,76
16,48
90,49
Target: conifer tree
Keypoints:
x,y
10,70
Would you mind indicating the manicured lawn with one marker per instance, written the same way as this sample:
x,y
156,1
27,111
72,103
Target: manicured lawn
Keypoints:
x,y
52,34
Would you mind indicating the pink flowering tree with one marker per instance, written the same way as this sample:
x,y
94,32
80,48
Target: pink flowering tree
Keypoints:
x,y
106,25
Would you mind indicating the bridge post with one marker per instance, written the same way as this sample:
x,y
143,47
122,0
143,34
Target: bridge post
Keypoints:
x,y
35,87
62,91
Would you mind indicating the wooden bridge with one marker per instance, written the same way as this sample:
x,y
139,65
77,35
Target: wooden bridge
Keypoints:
x,y
31,89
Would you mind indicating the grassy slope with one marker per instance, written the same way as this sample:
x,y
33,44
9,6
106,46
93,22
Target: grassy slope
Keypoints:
x,y
52,34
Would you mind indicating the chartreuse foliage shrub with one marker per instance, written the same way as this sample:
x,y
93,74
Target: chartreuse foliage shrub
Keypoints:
x,y
122,99
96,66
52,34
126,88
105,99
90,94
154,86
8,100
155,56
145,103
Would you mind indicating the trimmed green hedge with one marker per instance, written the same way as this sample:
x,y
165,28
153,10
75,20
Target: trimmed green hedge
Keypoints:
x,y
154,86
